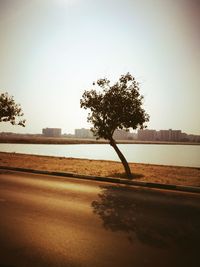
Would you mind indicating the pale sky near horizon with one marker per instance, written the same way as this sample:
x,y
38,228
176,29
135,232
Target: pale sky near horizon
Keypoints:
x,y
52,50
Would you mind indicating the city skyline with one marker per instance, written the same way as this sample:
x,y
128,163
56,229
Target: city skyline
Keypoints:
x,y
51,51
59,132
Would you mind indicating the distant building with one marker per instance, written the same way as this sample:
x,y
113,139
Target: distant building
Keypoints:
x,y
83,133
194,138
122,135
51,132
184,137
147,135
162,135
175,135
170,135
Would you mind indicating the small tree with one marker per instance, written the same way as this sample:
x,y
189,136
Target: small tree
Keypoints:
x,y
117,107
9,110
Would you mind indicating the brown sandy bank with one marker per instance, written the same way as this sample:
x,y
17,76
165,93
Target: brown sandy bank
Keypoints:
x,y
142,172
21,139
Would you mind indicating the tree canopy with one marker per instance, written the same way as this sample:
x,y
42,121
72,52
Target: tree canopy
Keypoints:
x,y
117,106
10,111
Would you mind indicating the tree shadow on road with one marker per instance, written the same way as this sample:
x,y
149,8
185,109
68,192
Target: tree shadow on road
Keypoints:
x,y
139,217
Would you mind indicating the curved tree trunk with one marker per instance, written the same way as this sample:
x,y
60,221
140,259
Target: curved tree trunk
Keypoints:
x,y
122,158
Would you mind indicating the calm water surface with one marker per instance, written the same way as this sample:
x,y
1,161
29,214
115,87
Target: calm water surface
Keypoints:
x,y
179,155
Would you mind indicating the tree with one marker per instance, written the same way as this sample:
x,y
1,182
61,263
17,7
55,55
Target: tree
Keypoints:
x,y
117,106
10,111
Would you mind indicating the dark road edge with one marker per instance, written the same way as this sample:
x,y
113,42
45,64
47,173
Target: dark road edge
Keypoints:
x,y
192,189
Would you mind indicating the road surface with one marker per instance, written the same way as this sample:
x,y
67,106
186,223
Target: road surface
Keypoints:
x,y
53,221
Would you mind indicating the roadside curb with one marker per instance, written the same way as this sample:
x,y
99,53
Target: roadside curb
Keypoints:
x,y
192,189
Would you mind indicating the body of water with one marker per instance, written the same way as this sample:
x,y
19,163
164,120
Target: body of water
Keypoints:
x,y
177,155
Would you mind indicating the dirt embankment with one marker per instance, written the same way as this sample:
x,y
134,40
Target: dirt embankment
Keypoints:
x,y
27,139
142,172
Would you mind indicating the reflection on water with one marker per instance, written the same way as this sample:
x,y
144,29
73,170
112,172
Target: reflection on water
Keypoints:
x,y
178,155
154,221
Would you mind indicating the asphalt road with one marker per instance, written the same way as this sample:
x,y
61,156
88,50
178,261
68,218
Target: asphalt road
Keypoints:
x,y
54,221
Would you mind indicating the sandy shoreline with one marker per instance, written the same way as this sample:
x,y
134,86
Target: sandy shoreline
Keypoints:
x,y
142,172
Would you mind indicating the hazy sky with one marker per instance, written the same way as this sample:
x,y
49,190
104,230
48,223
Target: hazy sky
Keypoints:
x,y
52,50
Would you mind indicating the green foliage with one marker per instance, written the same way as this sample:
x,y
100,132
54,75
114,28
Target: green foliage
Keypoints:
x,y
9,110
117,106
